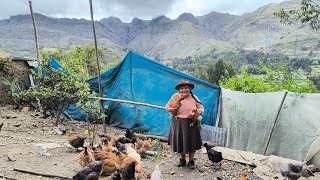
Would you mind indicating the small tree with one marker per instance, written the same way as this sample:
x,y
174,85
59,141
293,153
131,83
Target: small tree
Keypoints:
x,y
215,72
93,112
56,89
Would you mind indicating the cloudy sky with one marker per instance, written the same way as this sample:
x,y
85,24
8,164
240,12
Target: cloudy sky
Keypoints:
x,y
126,10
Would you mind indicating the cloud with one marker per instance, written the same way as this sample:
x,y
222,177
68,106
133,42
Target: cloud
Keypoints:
x,y
128,9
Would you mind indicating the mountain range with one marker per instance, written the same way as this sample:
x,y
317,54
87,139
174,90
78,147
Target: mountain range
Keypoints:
x,y
163,38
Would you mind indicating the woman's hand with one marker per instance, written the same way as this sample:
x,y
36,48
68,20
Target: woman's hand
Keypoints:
x,y
170,109
199,111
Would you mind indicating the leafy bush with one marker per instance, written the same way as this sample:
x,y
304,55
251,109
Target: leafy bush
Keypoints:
x,y
5,63
14,86
277,78
56,90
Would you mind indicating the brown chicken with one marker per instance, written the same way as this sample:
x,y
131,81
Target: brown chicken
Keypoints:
x,y
85,157
99,154
175,102
243,175
143,146
91,171
107,145
75,140
110,166
194,115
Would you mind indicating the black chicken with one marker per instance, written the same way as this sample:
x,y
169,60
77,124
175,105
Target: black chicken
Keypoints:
x,y
75,140
130,135
128,173
116,175
90,172
123,140
292,171
213,155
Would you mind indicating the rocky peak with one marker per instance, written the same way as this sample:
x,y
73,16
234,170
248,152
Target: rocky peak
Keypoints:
x,y
188,17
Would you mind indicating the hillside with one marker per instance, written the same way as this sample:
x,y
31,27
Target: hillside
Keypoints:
x,y
163,38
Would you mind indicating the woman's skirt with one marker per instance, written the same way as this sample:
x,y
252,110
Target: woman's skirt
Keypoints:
x,y
182,137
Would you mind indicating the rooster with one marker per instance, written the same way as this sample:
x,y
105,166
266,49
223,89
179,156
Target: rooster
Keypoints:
x,y
91,171
213,155
85,157
75,140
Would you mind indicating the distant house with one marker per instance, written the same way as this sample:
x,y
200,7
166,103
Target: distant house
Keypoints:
x,y
22,68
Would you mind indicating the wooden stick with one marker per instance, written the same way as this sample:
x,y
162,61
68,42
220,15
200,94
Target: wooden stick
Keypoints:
x,y
6,177
165,139
129,102
98,66
144,136
274,122
40,174
35,36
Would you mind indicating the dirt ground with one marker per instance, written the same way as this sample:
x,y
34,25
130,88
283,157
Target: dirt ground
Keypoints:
x,y
23,133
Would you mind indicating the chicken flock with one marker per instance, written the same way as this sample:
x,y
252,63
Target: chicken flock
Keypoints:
x,y
119,157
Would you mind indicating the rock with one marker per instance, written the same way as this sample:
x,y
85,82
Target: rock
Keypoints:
x,y
172,172
56,130
17,125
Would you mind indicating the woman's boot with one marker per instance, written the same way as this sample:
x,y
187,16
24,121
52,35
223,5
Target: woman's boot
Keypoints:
x,y
191,164
182,163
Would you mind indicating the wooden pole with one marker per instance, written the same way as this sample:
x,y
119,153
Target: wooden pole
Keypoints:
x,y
41,174
274,122
97,61
35,36
129,102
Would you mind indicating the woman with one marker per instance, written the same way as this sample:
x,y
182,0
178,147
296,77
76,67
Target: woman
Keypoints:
x,y
184,137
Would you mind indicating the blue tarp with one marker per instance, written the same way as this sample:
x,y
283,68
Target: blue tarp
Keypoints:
x,y
140,79
137,78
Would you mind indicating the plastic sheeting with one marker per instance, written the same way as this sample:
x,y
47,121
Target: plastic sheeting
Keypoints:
x,y
140,79
248,118
297,127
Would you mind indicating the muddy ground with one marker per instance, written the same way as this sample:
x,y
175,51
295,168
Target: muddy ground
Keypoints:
x,y
24,132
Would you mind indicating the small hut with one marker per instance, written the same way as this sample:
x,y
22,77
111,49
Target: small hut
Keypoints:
x,y
20,67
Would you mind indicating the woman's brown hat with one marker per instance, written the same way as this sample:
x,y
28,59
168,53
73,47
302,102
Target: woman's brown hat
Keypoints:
x,y
184,82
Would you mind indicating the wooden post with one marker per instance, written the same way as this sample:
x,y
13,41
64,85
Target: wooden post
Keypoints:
x,y
98,66
35,36
274,122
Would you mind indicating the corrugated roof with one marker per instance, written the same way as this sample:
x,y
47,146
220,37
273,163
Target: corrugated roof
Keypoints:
x,y
31,62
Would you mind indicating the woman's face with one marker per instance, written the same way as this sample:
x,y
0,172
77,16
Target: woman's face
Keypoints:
x,y
184,91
